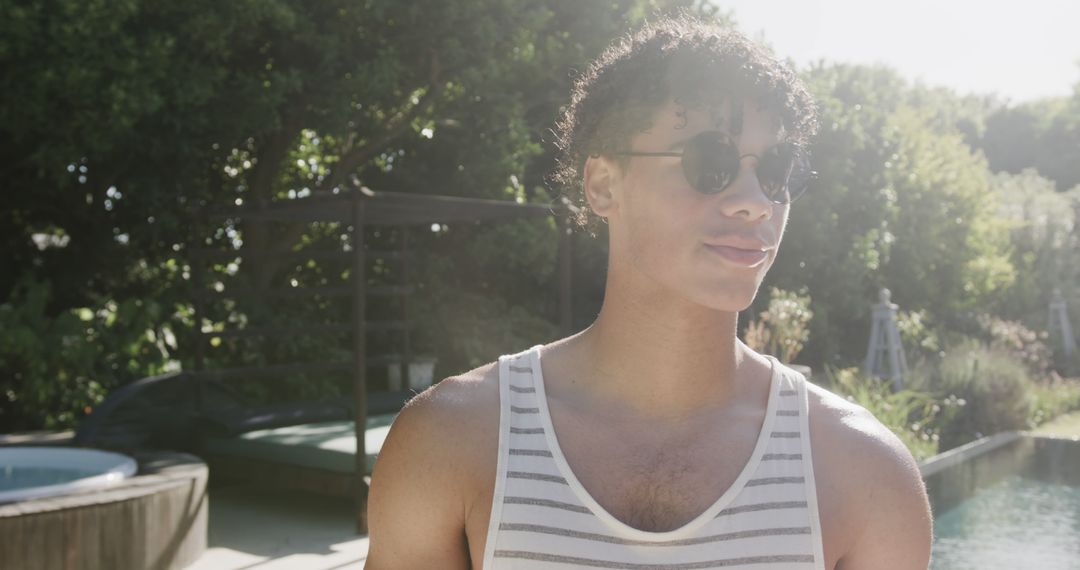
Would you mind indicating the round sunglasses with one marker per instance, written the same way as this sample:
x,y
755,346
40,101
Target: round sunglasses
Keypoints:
x,y
710,162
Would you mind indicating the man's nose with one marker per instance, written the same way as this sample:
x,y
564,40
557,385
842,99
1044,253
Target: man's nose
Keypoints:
x,y
744,198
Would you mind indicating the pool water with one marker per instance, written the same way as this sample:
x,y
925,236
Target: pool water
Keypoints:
x,y
36,472
19,477
1016,523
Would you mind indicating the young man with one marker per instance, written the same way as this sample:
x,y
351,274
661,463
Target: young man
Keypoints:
x,y
655,438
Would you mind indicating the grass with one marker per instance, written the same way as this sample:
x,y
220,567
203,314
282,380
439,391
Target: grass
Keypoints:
x,y
1065,425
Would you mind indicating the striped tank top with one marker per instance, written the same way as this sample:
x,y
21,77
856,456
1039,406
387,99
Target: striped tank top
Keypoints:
x,y
542,518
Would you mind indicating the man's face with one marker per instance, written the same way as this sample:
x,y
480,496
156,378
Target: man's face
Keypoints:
x,y
694,244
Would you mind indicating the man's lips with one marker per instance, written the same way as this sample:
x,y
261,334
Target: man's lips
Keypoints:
x,y
740,249
739,256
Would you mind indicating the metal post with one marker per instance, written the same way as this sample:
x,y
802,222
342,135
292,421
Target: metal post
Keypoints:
x,y
359,277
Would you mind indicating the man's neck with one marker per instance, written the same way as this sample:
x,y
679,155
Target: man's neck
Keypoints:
x,y
653,357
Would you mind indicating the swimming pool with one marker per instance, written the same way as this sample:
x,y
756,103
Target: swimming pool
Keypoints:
x,y
1016,523
36,472
1005,502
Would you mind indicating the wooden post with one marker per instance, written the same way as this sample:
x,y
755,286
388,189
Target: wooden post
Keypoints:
x,y
198,285
359,276
403,267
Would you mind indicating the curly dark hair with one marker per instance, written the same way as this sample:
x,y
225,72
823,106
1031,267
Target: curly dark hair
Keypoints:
x,y
682,58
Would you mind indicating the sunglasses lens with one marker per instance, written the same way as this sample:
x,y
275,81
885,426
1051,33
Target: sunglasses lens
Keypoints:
x,y
774,171
784,173
710,163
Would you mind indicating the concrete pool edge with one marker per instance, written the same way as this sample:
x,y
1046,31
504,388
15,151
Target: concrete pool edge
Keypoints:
x,y
957,455
955,475
946,459
156,519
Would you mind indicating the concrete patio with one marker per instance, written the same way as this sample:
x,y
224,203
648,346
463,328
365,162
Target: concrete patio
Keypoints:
x,y
259,529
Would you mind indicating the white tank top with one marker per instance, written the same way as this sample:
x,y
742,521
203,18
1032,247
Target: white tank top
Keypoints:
x,y
542,518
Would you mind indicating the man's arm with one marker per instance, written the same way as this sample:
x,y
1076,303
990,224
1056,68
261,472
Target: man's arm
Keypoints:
x,y
416,511
897,529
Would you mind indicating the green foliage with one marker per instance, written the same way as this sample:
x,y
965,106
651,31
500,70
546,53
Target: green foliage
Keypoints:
x,y
917,334
1045,249
1042,135
949,249
781,330
1021,344
59,367
120,122
974,391
1053,398
260,100
916,417
996,387
901,201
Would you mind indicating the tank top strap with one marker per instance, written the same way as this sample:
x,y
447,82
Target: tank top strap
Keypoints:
x,y
802,389
795,408
519,416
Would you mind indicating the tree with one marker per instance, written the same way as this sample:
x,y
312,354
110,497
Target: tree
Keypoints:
x,y
901,201
1045,244
1044,135
121,121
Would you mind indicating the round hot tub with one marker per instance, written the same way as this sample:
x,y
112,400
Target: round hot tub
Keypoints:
x,y
81,508
35,472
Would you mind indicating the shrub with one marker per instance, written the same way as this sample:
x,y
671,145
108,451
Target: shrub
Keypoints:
x,y
995,385
782,329
917,333
55,368
915,417
1019,342
1053,398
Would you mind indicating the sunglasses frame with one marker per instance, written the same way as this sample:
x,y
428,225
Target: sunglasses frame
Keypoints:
x,y
692,153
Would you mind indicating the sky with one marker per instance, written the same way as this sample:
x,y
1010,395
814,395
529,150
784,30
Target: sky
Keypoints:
x,y
1022,50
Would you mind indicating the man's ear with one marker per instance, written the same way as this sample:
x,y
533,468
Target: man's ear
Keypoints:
x,y
601,174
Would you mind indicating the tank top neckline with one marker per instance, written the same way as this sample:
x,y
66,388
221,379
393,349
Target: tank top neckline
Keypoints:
x,y
599,511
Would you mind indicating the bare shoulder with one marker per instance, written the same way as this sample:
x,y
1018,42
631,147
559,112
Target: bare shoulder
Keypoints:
x,y
440,452
472,392
455,417
870,490
852,438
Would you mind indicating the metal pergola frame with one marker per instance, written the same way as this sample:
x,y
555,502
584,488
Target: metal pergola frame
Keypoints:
x,y
367,208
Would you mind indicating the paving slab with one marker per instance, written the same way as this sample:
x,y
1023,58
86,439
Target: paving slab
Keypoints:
x,y
262,529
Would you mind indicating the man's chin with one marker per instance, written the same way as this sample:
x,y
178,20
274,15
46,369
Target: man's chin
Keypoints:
x,y
728,301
